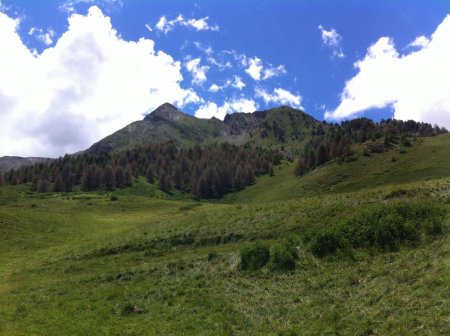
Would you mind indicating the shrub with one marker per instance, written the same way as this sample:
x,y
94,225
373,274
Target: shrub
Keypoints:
x,y
255,256
325,243
114,198
283,256
385,227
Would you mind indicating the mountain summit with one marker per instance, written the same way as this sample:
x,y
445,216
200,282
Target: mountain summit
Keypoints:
x,y
281,126
168,112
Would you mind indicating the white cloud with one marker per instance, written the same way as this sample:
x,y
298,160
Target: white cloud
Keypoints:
x,y
197,71
45,37
69,6
420,42
236,83
279,96
201,24
416,85
273,72
257,70
333,40
89,84
211,109
214,88
254,68
207,50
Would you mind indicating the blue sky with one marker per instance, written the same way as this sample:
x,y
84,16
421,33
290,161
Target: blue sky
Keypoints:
x,y
77,70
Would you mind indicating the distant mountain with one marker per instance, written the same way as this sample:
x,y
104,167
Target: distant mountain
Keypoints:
x,y
275,127
15,162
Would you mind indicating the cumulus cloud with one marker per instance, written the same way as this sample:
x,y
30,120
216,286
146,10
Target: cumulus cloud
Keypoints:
x,y
89,84
279,96
197,71
415,84
164,25
258,71
254,68
236,83
211,109
45,36
333,40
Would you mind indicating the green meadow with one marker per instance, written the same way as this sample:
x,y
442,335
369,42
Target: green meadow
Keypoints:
x,y
138,261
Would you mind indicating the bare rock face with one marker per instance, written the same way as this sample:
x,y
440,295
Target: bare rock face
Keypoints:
x,y
166,112
243,123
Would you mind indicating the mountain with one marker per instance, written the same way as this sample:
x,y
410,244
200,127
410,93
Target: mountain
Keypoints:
x,y
274,127
15,162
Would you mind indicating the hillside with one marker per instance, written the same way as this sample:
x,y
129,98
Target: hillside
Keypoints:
x,y
282,125
210,238
82,263
426,160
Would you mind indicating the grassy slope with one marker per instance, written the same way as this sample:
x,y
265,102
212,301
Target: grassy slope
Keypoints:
x,y
426,161
71,264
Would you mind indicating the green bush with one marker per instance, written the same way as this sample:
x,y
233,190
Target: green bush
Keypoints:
x,y
324,243
283,256
255,256
385,227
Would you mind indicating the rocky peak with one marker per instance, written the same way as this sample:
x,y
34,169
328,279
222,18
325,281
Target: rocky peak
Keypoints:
x,y
166,112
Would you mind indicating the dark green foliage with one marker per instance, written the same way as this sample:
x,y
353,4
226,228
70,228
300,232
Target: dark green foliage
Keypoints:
x,y
114,198
58,185
322,155
283,255
206,172
384,227
109,178
255,256
43,186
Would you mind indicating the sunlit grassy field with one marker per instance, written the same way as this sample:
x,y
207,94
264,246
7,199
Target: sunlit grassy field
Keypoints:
x,y
156,264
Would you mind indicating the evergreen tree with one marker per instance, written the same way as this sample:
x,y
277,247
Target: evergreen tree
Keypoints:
x,y
311,159
58,185
322,155
127,177
109,178
43,186
120,177
150,175
164,182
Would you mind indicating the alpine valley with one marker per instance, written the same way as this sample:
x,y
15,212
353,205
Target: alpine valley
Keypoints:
x,y
265,223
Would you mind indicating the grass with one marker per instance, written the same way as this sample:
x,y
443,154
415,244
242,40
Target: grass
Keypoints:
x,y
150,263
422,162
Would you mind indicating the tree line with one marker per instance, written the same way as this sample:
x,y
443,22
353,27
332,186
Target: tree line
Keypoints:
x,y
334,142
204,171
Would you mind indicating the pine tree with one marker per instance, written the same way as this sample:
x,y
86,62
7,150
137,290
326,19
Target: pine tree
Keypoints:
x,y
120,178
164,182
127,177
311,159
43,186
109,178
322,155
149,174
58,185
